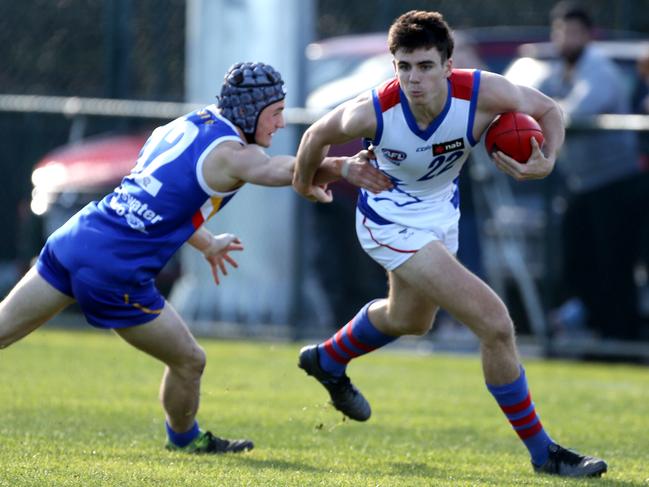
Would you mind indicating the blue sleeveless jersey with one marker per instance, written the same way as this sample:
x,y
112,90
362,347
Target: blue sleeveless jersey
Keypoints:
x,y
128,236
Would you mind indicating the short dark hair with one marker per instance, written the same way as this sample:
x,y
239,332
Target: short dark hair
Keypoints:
x,y
421,29
569,10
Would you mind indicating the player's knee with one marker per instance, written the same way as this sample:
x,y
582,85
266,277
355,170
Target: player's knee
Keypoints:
x,y
198,360
413,326
192,364
500,328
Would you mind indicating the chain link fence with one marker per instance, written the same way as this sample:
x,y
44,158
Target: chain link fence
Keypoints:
x,y
136,49
94,48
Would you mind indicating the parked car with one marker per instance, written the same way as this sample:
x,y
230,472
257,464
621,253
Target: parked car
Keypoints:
x,y
335,57
69,177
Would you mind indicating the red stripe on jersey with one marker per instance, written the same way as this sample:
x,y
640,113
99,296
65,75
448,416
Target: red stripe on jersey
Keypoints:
x,y
388,94
462,83
197,219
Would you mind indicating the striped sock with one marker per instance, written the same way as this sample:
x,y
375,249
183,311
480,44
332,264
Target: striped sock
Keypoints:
x,y
182,439
356,338
516,402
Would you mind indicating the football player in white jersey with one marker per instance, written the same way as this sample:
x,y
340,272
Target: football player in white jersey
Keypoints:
x,y
107,256
422,125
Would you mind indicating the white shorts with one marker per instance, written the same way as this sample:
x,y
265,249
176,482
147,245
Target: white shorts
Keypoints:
x,y
392,244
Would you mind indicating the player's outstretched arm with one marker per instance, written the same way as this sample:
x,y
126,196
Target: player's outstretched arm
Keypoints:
x,y
357,170
250,164
216,250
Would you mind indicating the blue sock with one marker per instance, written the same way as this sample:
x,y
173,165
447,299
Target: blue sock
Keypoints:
x,y
182,439
516,402
356,338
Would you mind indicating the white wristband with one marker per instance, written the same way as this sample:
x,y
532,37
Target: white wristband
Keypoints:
x,y
344,170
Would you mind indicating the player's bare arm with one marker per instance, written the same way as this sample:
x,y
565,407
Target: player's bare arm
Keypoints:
x,y
351,120
230,165
357,169
499,95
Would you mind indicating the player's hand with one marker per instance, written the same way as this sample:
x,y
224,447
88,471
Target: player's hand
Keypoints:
x,y
360,171
321,194
312,192
537,167
217,254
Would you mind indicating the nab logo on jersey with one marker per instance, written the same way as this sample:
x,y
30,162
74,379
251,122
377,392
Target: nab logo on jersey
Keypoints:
x,y
450,146
394,156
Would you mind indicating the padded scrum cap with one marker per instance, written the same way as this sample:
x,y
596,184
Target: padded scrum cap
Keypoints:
x,y
247,89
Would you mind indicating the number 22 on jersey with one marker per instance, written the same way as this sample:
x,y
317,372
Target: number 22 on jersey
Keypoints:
x,y
441,164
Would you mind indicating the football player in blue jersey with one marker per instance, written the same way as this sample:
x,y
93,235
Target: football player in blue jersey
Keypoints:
x,y
423,125
107,255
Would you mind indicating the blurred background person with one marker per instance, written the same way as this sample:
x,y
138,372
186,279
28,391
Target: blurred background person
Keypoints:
x,y
599,239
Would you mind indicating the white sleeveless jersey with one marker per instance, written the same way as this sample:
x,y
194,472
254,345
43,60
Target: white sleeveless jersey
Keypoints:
x,y
423,164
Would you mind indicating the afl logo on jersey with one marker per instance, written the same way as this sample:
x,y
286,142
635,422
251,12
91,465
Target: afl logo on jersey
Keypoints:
x,y
394,156
450,146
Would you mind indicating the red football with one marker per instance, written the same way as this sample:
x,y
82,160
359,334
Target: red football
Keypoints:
x,y
511,133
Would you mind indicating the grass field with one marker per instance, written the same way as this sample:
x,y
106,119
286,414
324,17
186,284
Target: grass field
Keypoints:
x,y
80,408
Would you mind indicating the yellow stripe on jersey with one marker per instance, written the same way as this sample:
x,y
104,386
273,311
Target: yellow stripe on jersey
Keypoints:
x,y
216,206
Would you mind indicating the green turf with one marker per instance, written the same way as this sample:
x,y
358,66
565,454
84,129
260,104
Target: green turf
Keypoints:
x,y
81,408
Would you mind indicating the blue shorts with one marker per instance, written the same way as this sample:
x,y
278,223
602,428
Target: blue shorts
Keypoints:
x,y
103,306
